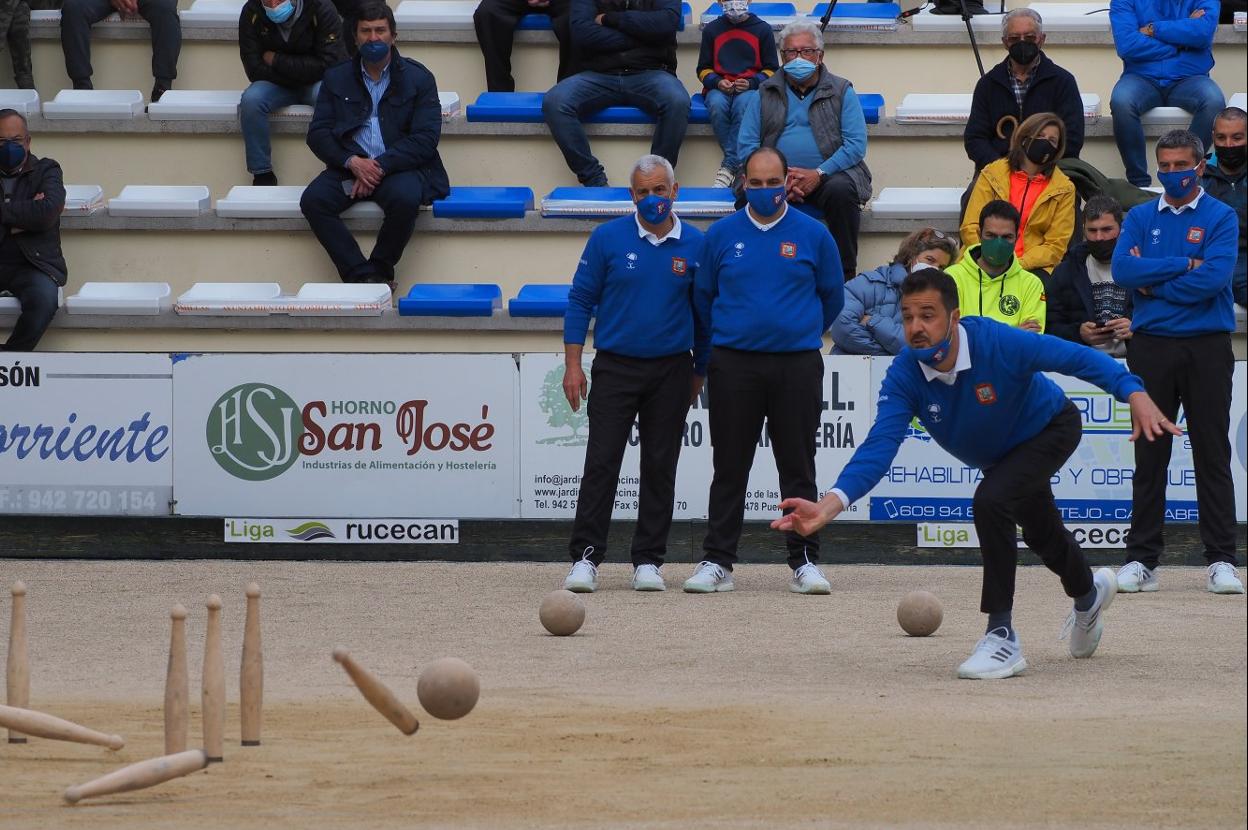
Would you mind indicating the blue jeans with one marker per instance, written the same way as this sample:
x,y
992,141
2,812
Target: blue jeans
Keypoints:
x,y
260,99
726,112
36,293
653,91
1135,95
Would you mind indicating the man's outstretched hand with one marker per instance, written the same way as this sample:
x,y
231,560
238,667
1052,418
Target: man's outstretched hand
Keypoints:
x,y
807,516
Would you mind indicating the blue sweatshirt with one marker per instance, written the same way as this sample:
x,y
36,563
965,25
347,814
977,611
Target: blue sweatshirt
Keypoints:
x,y
797,142
1181,45
1183,303
776,290
643,291
998,403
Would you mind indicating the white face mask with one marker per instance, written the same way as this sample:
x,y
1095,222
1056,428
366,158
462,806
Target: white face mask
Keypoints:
x,y
921,266
736,9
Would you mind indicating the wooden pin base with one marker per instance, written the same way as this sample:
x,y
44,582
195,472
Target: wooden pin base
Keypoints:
x,y
17,740
251,743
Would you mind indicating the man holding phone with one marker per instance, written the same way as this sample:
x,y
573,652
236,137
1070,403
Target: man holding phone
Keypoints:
x,y
1085,304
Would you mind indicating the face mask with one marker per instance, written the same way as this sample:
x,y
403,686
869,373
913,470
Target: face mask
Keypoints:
x,y
374,51
1102,249
921,266
1232,157
935,354
736,10
12,154
1179,183
997,252
280,13
799,69
765,200
1040,151
1024,52
654,209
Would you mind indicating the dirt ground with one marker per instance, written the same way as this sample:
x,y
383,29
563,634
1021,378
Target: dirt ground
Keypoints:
x,y
757,709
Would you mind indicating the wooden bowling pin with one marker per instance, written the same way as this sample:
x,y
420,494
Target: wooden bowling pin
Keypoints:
x,y
177,692
138,776
17,670
213,697
42,725
378,694
251,674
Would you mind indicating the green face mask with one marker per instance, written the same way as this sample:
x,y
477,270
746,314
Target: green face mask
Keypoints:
x,y
997,252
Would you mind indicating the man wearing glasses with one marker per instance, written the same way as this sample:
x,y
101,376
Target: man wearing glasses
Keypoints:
x,y
813,117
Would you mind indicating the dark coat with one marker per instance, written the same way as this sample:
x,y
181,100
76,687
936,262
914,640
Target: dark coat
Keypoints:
x,y
410,116
37,222
1053,89
315,44
1070,296
634,35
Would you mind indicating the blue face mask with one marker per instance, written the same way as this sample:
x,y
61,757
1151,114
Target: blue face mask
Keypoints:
x,y
935,354
766,201
799,69
374,51
281,12
1179,183
654,209
12,154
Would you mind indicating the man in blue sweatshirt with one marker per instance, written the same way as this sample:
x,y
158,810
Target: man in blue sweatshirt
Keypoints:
x,y
1177,254
636,279
770,285
977,387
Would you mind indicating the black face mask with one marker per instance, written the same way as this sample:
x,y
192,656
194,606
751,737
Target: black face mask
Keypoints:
x,y
1232,157
1101,250
1024,52
1040,151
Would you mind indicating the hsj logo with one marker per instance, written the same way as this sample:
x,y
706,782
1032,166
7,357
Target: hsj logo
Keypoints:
x,y
254,431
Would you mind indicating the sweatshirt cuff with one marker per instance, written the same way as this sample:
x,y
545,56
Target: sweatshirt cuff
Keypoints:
x,y
840,494
711,80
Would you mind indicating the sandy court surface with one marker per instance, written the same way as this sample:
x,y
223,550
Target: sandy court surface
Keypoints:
x,y
757,709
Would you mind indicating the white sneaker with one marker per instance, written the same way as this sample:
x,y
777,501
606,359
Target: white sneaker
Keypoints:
x,y
709,578
724,178
995,657
583,578
1223,579
1134,578
648,578
808,579
1085,627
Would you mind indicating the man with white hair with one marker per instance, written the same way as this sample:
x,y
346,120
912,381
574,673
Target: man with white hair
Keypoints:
x,y
636,279
1025,83
814,119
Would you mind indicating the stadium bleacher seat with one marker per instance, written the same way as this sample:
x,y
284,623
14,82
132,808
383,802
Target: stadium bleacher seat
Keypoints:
x,y
329,299
95,103
1073,17
247,202
126,298
195,104
83,199
603,202
159,200
541,22
485,203
925,21
25,101
540,300
451,300
873,17
435,14
777,14
220,298
212,13
1239,99
955,108
918,203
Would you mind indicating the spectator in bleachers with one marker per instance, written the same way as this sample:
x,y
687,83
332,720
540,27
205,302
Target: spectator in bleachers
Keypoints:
x,y
1177,254
1029,179
1027,82
814,118
870,322
991,280
1077,310
496,22
376,127
286,46
1166,48
78,16
32,267
738,53
1226,179
15,34
626,53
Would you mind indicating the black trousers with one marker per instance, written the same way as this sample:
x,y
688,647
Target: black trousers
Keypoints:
x,y
1016,492
78,16
655,393
837,199
36,294
1194,372
496,21
744,389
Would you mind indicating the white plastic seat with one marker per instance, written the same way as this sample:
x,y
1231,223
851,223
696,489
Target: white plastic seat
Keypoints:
x,y
233,298
45,15
925,21
1239,99
327,299
25,101
1167,116
1073,17
83,199
451,104
146,298
435,14
159,200
95,103
918,203
295,112
10,307
247,202
955,108
195,104
364,210
208,14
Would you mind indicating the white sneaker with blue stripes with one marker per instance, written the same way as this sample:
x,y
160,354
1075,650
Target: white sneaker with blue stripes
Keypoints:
x,y
1085,627
996,656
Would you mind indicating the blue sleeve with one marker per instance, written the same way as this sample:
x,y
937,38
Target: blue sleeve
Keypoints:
x,y
655,26
847,330
1046,353
830,279
1214,272
887,332
853,148
586,291
894,410
705,287
1190,32
1141,272
589,36
748,138
1128,41
701,330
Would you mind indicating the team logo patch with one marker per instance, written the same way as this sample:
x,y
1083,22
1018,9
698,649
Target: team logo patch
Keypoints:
x,y
985,394
1009,305
631,261
788,249
678,265
1195,235
738,250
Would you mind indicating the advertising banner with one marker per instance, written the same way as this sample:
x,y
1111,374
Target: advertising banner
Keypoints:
x,y
347,435
343,531
552,455
86,434
963,535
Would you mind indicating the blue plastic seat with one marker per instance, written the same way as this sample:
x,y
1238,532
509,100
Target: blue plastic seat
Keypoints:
x,y
874,11
763,10
540,300
534,23
526,108
603,202
698,113
451,300
485,203
872,105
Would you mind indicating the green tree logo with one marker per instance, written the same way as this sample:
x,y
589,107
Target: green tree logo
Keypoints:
x,y
253,432
560,414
